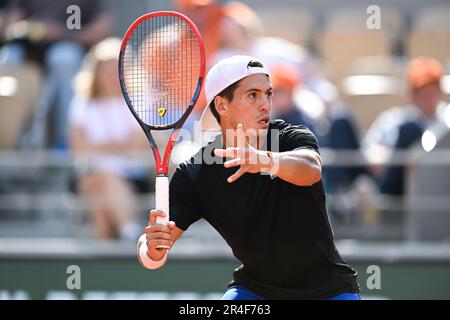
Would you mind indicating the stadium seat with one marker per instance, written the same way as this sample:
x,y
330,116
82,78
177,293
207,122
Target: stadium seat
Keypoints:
x,y
367,107
430,34
293,25
433,43
391,20
373,85
346,37
340,47
433,17
380,65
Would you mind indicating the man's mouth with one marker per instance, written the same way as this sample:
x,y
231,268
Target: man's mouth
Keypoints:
x,y
264,121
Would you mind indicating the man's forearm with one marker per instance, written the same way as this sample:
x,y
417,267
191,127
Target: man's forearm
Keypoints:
x,y
299,167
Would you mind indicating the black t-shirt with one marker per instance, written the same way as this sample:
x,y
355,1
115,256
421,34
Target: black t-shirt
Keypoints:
x,y
279,231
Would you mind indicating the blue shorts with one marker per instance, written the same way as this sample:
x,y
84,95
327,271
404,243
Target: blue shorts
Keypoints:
x,y
241,293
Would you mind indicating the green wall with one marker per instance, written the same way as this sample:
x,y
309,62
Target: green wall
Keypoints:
x,y
124,278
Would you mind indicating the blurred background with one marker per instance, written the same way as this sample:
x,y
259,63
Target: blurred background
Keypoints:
x,y
370,78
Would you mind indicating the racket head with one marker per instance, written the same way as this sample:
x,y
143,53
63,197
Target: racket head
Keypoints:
x,y
161,69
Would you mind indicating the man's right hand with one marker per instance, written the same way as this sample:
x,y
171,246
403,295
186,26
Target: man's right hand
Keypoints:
x,y
157,235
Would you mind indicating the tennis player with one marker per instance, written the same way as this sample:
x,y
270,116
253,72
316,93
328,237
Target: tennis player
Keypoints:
x,y
264,195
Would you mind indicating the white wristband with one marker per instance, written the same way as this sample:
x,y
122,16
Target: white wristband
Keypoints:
x,y
274,165
147,262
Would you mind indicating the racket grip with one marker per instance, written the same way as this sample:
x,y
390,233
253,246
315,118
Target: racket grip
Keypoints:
x,y
162,198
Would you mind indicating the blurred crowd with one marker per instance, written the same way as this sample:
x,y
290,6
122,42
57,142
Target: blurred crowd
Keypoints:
x,y
79,107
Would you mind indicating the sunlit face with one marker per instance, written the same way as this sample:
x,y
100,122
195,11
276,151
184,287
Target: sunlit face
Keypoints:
x,y
106,75
251,104
427,98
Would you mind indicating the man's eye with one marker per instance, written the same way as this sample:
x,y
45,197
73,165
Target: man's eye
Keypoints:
x,y
252,95
270,94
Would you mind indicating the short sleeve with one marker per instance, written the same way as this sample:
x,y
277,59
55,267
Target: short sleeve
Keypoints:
x,y
293,137
184,200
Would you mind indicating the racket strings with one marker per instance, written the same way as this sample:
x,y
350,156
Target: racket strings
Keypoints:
x,y
161,67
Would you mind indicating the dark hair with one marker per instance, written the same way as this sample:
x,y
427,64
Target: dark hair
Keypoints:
x,y
228,92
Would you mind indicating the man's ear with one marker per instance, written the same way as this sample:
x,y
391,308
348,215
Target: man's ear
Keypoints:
x,y
221,105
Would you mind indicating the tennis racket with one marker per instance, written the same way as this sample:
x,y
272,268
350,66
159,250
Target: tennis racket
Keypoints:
x,y
161,71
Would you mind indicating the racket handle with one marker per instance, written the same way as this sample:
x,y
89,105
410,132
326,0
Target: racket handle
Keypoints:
x,y
162,198
162,201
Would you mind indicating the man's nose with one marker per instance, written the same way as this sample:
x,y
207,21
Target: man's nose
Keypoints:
x,y
266,104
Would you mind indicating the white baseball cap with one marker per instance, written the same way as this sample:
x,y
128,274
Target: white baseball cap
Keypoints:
x,y
223,74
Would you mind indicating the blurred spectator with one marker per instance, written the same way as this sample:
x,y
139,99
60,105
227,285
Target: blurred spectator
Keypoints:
x,y
240,28
423,75
284,79
349,187
4,5
242,32
102,126
207,16
342,135
335,129
39,29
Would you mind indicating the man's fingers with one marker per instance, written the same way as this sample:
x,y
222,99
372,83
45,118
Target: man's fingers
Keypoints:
x,y
157,228
236,175
226,153
233,163
159,236
153,215
220,152
152,244
171,225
